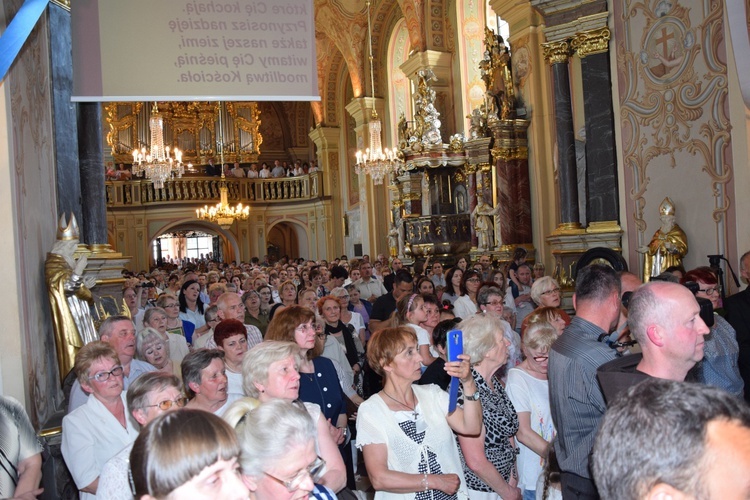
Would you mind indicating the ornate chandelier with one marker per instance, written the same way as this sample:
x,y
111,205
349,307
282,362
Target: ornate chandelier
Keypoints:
x,y
223,214
376,161
158,166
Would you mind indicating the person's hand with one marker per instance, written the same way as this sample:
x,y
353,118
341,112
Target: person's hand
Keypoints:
x,y
447,483
29,495
337,433
512,492
460,369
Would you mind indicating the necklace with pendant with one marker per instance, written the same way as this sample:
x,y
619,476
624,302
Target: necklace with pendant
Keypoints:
x,y
413,409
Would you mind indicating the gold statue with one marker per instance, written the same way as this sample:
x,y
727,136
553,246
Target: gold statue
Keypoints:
x,y
668,246
500,97
69,296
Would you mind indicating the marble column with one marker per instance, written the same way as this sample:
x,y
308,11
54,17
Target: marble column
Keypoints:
x,y
602,202
67,174
557,54
471,186
91,154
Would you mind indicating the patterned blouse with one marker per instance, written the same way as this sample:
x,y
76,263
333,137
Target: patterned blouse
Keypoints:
x,y
500,424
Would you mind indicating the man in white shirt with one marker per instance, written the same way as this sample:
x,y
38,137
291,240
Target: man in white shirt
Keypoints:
x,y
369,287
237,171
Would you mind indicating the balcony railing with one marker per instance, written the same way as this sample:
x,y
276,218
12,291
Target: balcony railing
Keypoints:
x,y
206,190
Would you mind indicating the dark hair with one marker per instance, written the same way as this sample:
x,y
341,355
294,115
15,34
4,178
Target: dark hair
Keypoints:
x,y
183,302
672,417
194,363
422,280
519,253
402,276
597,282
339,272
440,332
467,275
449,281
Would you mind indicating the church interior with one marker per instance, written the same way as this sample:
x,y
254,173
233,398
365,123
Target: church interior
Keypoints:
x,y
564,133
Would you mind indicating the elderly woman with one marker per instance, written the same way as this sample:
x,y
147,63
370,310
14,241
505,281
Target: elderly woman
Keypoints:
x,y
465,306
187,454
95,432
204,376
545,292
212,319
280,459
153,349
215,290
156,318
529,392
490,300
490,458
171,307
253,313
719,365
230,336
319,382
404,430
270,374
308,298
149,396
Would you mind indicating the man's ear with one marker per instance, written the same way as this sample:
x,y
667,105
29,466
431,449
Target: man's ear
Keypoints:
x,y
655,335
663,491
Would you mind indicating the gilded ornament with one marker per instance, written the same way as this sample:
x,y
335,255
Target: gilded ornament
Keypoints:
x,y
556,52
591,42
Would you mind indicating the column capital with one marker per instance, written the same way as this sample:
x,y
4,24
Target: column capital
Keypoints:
x,y
325,138
556,52
438,62
591,42
360,108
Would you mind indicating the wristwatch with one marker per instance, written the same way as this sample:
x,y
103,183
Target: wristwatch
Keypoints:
x,y
473,397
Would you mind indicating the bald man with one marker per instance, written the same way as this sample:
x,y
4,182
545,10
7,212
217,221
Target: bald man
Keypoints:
x,y
665,320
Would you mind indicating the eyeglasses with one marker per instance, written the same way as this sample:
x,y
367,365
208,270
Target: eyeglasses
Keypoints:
x,y
473,280
167,404
117,371
709,291
494,303
305,327
540,359
170,306
554,290
315,470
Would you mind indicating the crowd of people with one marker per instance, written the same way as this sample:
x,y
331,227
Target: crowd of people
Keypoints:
x,y
272,381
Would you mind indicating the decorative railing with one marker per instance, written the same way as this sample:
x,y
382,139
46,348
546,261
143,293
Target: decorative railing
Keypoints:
x,y
206,190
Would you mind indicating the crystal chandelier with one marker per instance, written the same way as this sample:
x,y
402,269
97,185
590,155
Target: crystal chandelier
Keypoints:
x,y
158,166
376,161
222,213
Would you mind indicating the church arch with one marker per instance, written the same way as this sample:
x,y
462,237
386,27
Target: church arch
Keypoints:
x,y
289,237
229,241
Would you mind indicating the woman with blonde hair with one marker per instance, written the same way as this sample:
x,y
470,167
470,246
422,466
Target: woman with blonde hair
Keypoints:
x,y
405,431
153,349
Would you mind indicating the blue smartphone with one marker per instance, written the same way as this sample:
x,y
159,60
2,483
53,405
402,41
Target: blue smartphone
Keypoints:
x,y
454,343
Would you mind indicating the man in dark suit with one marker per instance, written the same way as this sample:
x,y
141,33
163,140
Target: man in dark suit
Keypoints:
x,y
738,315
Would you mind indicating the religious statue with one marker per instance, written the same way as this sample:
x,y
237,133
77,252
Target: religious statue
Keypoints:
x,y
393,241
69,295
668,246
483,225
478,123
500,97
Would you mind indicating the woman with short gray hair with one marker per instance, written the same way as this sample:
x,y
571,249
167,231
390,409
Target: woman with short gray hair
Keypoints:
x,y
490,458
152,348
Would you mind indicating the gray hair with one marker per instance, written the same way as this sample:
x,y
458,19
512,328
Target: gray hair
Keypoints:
x,y
145,338
268,432
194,363
483,297
151,312
646,308
480,335
105,329
141,387
542,285
672,418
257,360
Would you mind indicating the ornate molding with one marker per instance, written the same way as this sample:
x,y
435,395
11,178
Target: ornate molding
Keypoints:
x,y
591,42
513,153
65,4
556,52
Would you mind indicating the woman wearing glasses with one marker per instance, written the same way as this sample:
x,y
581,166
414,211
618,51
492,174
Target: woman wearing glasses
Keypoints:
x,y
466,305
149,396
270,374
719,365
545,292
95,432
319,382
528,390
279,458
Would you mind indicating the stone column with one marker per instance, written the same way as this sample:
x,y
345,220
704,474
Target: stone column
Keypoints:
x,y
602,203
91,153
556,54
327,140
